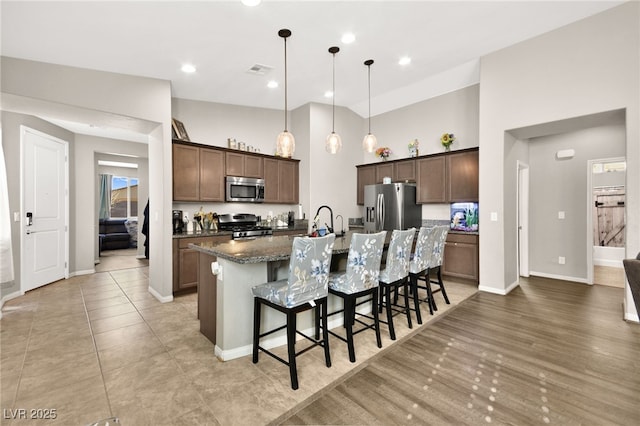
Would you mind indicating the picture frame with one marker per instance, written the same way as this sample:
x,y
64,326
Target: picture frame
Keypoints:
x,y
179,130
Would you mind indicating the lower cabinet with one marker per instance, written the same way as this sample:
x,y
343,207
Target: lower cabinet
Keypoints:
x,y
461,256
186,261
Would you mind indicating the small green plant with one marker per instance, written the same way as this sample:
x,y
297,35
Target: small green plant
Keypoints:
x,y
471,217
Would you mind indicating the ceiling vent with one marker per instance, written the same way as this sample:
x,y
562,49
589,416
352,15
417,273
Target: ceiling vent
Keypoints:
x,y
259,69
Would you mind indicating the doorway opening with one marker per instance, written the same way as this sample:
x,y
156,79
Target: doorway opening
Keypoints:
x,y
607,195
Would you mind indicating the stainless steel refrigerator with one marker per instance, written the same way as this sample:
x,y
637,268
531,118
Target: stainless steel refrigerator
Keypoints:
x,y
391,206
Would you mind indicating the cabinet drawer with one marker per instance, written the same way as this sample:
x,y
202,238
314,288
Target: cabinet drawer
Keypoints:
x,y
462,238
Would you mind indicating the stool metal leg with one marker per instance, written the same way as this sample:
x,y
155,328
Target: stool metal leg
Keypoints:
x,y
405,290
291,346
325,332
256,328
416,299
392,332
376,319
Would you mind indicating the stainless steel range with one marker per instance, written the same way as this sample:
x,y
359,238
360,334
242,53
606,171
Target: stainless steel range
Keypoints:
x,y
243,225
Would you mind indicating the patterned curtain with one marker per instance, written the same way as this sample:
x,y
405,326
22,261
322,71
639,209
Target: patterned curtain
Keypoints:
x,y
105,196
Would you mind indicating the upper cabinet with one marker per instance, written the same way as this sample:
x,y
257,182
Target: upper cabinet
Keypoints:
x,y
431,180
199,173
238,164
462,176
186,173
404,171
281,178
440,178
366,176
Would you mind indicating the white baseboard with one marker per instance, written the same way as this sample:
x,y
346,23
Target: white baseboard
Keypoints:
x,y
559,277
85,272
501,292
609,263
8,297
162,299
141,256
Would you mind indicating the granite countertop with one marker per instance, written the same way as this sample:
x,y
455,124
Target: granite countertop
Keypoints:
x,y
223,233
264,249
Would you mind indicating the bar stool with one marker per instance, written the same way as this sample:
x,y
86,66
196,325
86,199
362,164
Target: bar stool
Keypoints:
x,y
420,266
395,275
305,288
435,264
359,280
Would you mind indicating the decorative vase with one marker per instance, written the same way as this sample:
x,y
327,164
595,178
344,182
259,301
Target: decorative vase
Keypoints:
x,y
447,148
384,158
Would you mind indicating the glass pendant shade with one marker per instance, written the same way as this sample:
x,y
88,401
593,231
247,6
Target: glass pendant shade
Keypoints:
x,y
285,144
369,143
334,143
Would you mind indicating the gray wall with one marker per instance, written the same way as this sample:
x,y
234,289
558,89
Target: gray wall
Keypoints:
x,y
561,185
130,99
559,75
11,123
455,112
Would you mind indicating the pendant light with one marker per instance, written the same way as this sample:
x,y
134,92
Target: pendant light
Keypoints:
x,y
286,143
334,142
369,142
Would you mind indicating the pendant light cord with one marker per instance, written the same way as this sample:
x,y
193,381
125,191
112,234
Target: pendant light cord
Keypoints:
x,y
285,84
333,97
369,78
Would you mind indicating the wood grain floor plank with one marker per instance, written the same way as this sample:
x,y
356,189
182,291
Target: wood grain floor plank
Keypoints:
x,y
550,352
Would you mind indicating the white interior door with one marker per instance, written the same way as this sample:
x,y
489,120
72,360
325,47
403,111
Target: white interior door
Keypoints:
x,y
523,219
44,209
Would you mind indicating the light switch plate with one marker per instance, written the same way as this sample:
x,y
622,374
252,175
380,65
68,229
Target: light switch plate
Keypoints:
x,y
494,216
560,215
561,260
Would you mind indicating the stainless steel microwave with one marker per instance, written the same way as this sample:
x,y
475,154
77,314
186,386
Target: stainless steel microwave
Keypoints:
x,y
248,190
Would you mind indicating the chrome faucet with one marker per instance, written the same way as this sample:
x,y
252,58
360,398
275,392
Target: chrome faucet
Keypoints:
x,y
330,228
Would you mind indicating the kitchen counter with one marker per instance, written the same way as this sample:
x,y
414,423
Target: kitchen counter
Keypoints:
x,y
225,301
263,249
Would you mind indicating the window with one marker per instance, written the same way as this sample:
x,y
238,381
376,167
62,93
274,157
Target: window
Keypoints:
x,y
124,197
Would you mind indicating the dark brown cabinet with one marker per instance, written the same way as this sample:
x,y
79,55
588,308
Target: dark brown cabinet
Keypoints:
x,y
366,176
238,164
198,173
404,171
186,261
462,176
186,173
440,178
431,180
211,175
461,256
281,181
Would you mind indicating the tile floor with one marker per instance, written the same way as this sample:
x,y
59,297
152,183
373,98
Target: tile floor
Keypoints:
x,y
99,346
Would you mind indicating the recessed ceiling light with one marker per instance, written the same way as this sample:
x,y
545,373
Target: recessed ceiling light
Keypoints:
x,y
272,84
251,3
328,94
405,60
348,38
188,68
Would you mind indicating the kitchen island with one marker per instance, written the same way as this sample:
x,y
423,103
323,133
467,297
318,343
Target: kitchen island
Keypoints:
x,y
227,272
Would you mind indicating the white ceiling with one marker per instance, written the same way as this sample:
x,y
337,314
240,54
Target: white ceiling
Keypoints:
x,y
223,39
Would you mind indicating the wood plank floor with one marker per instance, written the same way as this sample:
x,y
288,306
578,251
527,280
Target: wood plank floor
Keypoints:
x,y
551,352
